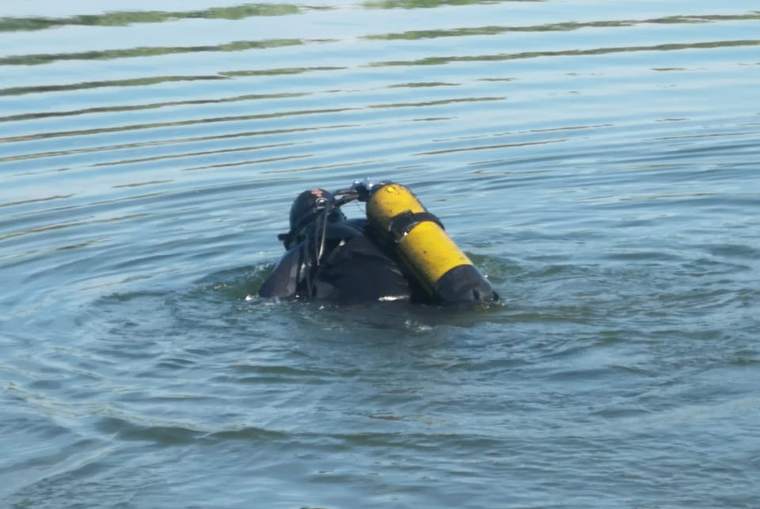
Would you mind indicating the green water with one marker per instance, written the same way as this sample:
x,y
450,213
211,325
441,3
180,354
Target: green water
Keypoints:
x,y
598,160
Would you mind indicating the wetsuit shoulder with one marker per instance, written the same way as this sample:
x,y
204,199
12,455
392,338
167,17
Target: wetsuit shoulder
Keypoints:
x,y
359,271
353,270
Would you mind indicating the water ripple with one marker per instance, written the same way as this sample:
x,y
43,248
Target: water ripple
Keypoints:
x,y
125,18
138,107
145,51
596,161
498,57
564,26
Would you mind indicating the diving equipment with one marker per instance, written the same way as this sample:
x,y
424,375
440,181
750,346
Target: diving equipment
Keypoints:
x,y
399,252
424,248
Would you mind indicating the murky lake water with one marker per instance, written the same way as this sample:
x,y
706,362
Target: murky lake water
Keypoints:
x,y
598,160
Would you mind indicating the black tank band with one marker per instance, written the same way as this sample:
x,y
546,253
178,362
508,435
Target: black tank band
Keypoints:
x,y
405,222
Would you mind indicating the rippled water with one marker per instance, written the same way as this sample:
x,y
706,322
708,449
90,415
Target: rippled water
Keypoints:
x,y
599,160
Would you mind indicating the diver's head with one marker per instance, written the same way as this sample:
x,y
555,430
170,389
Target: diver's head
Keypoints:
x,y
307,208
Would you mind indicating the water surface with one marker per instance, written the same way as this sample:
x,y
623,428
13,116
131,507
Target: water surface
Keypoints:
x,y
598,161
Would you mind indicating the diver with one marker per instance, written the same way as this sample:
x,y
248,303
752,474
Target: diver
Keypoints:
x,y
400,252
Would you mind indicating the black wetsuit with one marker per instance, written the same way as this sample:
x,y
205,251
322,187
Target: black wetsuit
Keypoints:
x,y
352,269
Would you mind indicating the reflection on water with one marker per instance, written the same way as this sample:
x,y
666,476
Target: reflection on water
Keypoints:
x,y
426,4
596,160
538,54
564,26
124,18
147,52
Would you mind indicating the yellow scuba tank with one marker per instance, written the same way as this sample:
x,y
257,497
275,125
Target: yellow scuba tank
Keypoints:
x,y
424,247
